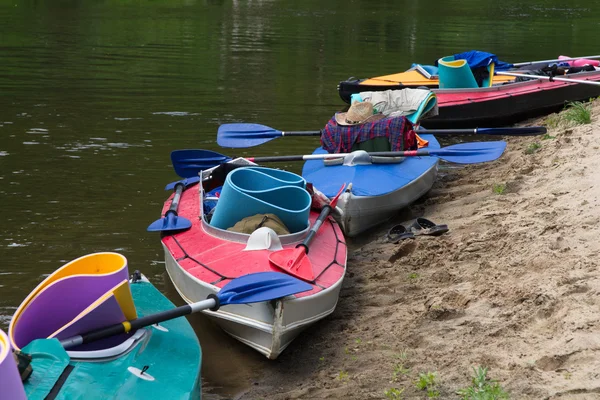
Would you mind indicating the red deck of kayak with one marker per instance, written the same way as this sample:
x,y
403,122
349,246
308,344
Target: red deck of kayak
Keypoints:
x,y
446,98
216,261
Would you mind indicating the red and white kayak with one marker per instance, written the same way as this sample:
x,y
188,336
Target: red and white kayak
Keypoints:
x,y
204,258
505,102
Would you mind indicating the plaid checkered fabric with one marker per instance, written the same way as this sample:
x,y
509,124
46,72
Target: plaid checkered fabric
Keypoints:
x,y
340,139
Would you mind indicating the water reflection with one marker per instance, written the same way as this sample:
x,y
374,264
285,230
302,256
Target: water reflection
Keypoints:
x,y
95,95
228,367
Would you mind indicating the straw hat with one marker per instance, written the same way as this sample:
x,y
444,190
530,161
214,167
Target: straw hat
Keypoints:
x,y
358,113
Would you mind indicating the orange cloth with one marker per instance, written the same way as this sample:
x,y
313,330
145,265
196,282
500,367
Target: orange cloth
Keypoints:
x,y
421,142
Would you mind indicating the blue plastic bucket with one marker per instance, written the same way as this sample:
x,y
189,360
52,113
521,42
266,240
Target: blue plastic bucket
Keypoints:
x,y
259,190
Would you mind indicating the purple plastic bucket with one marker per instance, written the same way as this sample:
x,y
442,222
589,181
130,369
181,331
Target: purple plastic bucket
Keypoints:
x,y
10,380
64,294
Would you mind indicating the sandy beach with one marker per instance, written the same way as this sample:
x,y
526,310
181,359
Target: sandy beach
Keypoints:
x,y
513,286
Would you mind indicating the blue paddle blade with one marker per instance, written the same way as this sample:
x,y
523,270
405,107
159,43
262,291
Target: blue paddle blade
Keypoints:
x,y
188,163
261,286
471,153
245,135
186,182
170,222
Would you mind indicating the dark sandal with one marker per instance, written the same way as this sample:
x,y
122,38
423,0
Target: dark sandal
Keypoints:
x,y
398,233
422,226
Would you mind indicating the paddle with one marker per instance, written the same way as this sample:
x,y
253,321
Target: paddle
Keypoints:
x,y
171,221
521,64
296,261
553,78
204,160
187,182
252,288
248,135
462,153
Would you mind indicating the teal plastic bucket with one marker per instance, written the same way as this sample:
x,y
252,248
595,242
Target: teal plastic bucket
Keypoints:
x,y
258,190
455,74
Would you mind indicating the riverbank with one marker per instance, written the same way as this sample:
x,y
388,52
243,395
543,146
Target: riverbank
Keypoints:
x,y
513,286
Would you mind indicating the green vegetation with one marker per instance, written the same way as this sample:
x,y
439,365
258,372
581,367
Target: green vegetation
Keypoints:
x,y
574,113
343,375
427,381
532,148
394,393
499,188
413,276
578,113
400,367
547,136
553,121
482,388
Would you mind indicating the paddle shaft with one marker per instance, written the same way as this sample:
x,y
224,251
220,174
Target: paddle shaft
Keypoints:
x,y
243,135
175,202
138,323
325,211
313,230
484,131
408,153
550,78
521,64
301,133
171,220
522,131
250,288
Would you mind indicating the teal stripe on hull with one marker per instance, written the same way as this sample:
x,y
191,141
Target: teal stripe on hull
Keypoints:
x,y
173,358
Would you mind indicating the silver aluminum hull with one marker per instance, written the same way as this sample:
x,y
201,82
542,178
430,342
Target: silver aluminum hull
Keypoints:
x,y
268,327
360,213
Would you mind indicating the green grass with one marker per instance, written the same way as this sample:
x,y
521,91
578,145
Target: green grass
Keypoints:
x,y
547,136
427,381
394,393
400,367
499,188
482,388
578,113
532,148
553,121
413,275
343,376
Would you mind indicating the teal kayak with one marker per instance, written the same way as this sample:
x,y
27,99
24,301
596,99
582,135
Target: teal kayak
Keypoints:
x,y
157,362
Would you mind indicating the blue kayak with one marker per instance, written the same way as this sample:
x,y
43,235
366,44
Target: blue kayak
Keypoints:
x,y
376,191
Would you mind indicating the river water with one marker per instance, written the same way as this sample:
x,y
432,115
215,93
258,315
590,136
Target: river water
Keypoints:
x,y
94,95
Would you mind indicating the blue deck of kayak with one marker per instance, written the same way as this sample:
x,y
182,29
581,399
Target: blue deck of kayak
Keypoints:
x,y
368,180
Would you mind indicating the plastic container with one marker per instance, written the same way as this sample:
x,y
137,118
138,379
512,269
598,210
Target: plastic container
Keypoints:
x,y
259,190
